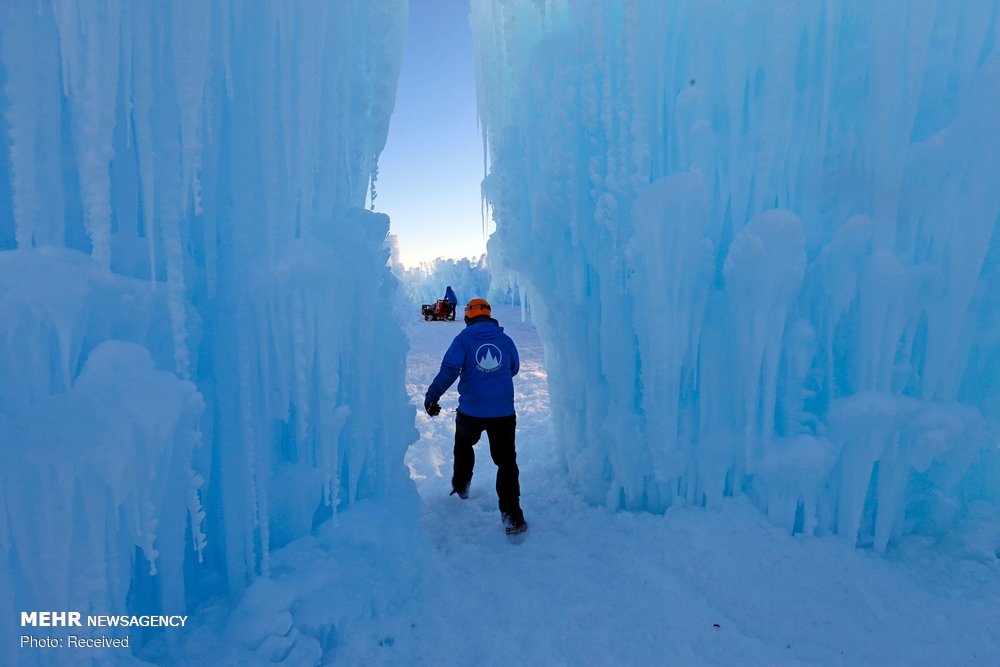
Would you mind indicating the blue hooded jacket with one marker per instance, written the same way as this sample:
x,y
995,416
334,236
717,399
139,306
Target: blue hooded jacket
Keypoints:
x,y
487,361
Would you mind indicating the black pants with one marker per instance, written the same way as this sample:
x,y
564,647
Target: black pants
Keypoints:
x,y
500,431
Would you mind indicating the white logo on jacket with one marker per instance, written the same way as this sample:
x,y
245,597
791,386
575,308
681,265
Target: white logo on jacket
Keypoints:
x,y
488,357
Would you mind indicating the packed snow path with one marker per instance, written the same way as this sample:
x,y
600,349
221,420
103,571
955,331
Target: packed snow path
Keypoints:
x,y
693,587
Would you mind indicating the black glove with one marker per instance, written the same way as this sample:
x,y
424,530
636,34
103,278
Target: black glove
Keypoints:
x,y
432,408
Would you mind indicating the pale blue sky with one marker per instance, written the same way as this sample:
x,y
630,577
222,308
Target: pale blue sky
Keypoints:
x,y
432,165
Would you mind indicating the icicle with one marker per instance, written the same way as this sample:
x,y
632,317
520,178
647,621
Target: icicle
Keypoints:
x,y
228,23
301,369
373,178
90,34
142,119
310,41
245,447
191,22
196,513
332,456
176,292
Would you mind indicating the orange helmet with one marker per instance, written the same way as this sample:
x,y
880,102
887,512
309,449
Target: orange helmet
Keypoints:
x,y
477,307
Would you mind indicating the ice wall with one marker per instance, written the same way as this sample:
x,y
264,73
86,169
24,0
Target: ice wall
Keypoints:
x,y
486,277
190,375
426,283
763,243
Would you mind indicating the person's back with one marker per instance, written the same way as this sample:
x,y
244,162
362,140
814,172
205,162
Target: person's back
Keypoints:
x,y
489,364
449,296
485,360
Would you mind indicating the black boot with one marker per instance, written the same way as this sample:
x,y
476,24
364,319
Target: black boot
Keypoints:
x,y
513,522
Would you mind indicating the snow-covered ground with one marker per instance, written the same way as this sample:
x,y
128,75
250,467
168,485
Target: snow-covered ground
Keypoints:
x,y
693,587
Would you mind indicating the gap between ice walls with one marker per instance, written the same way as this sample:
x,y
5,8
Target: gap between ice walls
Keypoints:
x,y
763,244
470,278
192,370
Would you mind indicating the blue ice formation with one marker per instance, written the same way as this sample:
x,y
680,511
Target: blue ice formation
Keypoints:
x,y
190,372
486,277
426,282
762,239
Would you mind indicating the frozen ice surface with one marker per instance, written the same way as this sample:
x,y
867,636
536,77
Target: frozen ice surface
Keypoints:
x,y
762,241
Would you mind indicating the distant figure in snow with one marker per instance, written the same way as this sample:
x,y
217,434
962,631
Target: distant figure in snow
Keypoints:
x,y
486,359
451,300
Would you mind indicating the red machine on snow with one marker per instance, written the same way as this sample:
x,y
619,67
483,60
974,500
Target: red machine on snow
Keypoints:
x,y
440,310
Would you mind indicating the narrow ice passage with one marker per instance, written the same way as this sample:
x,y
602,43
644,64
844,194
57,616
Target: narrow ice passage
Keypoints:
x,y
592,587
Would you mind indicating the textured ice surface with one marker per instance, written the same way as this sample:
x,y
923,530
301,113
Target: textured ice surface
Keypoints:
x,y
470,278
190,373
763,244
426,283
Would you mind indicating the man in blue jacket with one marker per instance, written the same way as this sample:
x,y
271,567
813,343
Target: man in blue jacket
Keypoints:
x,y
447,312
486,361
449,296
